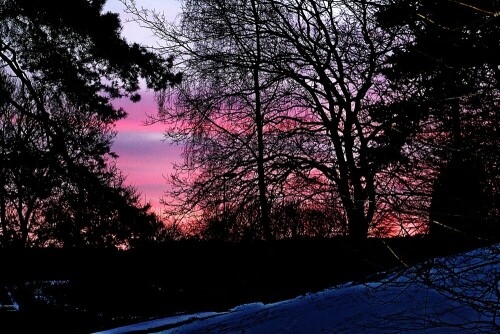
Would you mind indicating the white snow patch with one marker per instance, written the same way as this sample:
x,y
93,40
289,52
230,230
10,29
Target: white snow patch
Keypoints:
x,y
247,307
158,323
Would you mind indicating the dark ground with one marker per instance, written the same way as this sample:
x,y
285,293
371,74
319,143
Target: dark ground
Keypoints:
x,y
80,291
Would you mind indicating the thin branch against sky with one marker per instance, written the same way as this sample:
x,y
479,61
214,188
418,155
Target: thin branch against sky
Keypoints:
x,y
143,157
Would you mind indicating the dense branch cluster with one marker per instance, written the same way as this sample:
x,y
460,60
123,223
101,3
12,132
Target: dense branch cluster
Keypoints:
x,y
350,110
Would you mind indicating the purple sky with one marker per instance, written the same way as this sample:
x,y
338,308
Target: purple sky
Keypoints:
x,y
144,158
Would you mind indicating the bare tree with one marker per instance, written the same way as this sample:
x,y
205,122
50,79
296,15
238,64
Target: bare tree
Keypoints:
x,y
314,71
226,109
335,51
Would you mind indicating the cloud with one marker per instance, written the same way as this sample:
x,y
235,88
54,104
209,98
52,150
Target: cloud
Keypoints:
x,y
146,160
145,157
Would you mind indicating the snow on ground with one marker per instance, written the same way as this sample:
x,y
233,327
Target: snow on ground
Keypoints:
x,y
157,324
449,295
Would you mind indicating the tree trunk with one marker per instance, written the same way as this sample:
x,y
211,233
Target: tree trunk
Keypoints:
x,y
3,217
23,224
456,127
357,224
264,205
357,221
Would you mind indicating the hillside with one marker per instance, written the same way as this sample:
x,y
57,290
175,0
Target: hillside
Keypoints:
x,y
454,294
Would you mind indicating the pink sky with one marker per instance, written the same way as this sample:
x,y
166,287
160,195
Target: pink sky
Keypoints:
x,y
144,158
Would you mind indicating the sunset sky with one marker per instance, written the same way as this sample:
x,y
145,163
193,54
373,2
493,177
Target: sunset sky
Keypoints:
x,y
145,159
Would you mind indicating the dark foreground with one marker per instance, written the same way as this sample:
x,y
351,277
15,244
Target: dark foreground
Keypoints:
x,y
80,291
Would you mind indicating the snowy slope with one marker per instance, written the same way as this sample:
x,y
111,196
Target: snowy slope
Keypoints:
x,y
451,295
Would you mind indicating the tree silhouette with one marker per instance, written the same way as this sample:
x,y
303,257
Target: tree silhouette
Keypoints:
x,y
62,64
330,58
452,63
104,213
335,52
226,109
